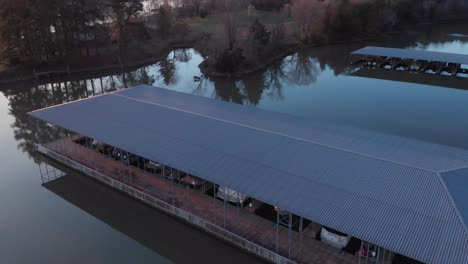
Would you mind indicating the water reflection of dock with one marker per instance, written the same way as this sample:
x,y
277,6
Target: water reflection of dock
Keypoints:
x,y
412,60
403,76
151,228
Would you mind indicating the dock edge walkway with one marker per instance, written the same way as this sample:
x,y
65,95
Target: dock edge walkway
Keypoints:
x,y
169,209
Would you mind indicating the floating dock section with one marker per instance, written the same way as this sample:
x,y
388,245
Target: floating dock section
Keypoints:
x,y
412,60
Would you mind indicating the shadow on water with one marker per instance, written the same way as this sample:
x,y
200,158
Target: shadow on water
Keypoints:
x,y
157,231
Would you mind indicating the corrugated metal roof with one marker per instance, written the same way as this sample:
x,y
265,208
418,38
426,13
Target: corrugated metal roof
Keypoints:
x,y
457,182
413,54
381,188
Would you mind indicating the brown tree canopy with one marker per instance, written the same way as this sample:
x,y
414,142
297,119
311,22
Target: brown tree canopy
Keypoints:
x,y
309,15
37,31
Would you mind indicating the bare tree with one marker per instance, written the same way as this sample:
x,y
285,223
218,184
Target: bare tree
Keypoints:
x,y
309,15
195,4
230,29
124,12
165,20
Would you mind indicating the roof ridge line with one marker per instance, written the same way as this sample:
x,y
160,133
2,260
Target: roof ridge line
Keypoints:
x,y
453,169
452,202
272,132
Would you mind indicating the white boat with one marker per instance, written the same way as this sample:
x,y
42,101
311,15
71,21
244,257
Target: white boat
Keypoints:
x,y
230,195
334,238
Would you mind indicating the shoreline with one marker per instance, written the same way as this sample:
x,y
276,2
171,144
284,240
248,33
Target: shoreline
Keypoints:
x,y
104,69
206,70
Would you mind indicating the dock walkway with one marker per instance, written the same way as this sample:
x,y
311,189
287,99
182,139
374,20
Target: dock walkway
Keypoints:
x,y
240,221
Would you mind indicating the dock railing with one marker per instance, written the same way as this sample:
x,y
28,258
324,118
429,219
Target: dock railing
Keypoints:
x,y
201,223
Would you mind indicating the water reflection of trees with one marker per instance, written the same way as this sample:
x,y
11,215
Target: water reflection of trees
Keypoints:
x,y
27,130
254,88
297,69
138,77
182,55
228,90
301,69
167,71
273,77
167,66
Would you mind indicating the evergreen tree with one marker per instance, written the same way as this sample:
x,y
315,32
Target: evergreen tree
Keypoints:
x,y
165,20
259,34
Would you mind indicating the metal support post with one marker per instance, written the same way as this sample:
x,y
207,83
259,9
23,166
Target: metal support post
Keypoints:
x,y
277,229
102,86
224,211
300,236
66,92
238,202
128,166
163,175
86,88
214,195
289,235
63,142
144,166
67,143
214,203
76,149
172,187
360,253
92,85
378,255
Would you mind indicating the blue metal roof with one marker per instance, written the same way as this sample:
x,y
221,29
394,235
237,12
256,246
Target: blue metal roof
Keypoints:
x,y
381,188
456,182
413,54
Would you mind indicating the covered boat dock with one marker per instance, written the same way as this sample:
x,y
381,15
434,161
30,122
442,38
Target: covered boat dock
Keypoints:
x,y
396,196
412,60
409,77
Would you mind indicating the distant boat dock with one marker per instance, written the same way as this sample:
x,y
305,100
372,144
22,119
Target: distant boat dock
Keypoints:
x,y
413,60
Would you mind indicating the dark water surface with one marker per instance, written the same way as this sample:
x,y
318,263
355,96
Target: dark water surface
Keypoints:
x,y
75,220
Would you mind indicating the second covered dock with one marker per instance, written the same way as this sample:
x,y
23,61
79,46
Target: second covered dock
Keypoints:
x,y
413,60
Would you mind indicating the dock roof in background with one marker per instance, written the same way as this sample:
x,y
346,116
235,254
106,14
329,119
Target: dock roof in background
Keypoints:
x,y
402,194
413,54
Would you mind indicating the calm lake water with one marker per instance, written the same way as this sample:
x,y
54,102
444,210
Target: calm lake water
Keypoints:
x,y
75,220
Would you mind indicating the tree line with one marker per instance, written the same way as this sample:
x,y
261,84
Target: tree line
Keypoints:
x,y
59,31
326,21
40,31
